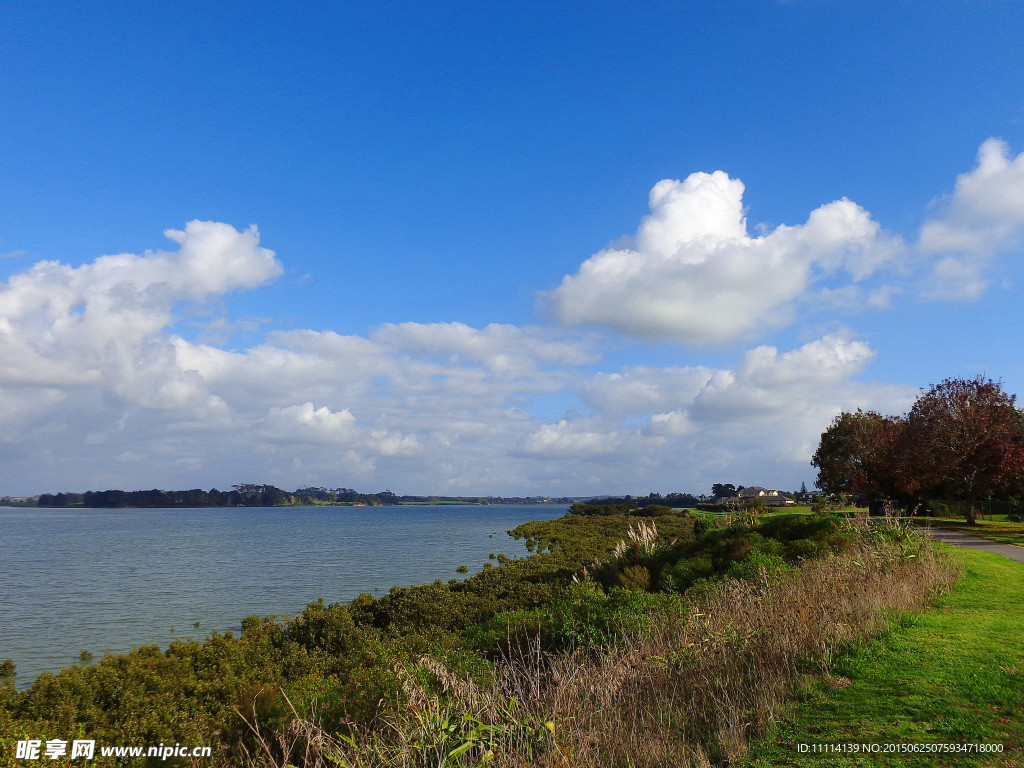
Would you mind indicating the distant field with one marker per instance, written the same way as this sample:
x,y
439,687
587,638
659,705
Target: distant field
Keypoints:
x,y
996,530
770,511
951,675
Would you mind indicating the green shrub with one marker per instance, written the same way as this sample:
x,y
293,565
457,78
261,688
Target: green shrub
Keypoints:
x,y
760,566
635,577
601,510
655,510
680,575
327,628
946,508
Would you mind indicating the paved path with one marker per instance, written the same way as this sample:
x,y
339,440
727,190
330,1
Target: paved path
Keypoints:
x,y
973,542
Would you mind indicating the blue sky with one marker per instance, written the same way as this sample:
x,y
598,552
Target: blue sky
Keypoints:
x,y
473,288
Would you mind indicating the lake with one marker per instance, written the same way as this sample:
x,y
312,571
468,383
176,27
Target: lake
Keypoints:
x,y
106,580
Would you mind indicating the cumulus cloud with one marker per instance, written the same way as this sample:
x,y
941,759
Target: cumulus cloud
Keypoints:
x,y
569,438
983,216
302,423
763,415
693,274
63,325
97,390
641,390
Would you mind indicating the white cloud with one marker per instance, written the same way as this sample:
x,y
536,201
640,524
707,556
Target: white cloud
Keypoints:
x,y
983,216
693,274
671,424
96,390
500,347
641,390
63,325
567,438
306,423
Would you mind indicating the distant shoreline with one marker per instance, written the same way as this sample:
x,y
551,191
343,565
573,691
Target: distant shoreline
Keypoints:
x,y
32,505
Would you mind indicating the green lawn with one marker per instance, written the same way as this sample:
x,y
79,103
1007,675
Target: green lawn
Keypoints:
x,y
996,530
953,674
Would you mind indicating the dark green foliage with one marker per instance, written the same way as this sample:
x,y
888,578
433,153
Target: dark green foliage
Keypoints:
x,y
680,575
586,617
702,552
604,510
329,629
608,509
671,500
658,510
945,508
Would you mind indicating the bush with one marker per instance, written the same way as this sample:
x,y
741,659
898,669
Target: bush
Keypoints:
x,y
602,510
946,508
655,510
328,628
680,575
635,577
760,566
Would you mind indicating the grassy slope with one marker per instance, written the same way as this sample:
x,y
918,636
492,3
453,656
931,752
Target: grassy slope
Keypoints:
x,y
952,674
995,530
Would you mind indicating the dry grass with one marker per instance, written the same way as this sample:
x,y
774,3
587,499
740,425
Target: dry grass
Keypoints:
x,y
691,692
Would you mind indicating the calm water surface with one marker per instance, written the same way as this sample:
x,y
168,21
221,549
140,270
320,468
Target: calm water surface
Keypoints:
x,y
106,580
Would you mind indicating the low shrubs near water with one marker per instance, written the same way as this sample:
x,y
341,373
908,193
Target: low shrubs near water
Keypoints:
x,y
622,640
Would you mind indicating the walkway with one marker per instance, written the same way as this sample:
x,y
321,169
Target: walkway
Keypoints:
x,y
973,542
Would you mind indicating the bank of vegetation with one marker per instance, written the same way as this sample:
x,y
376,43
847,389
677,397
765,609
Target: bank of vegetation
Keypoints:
x,y
637,637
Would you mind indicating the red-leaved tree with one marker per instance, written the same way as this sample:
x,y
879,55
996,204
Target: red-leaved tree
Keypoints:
x,y
967,440
962,439
856,454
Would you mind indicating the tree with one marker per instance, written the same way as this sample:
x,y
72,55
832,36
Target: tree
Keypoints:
x,y
962,439
968,439
723,489
858,454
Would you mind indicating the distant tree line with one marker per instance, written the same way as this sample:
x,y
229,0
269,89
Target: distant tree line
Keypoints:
x,y
262,495
627,502
242,495
346,496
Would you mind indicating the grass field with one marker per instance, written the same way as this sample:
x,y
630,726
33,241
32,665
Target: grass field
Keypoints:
x,y
769,511
996,530
951,675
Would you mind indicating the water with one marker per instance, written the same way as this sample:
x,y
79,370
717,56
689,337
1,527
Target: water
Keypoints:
x,y
106,580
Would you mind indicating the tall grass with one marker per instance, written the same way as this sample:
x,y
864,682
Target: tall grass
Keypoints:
x,y
711,671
